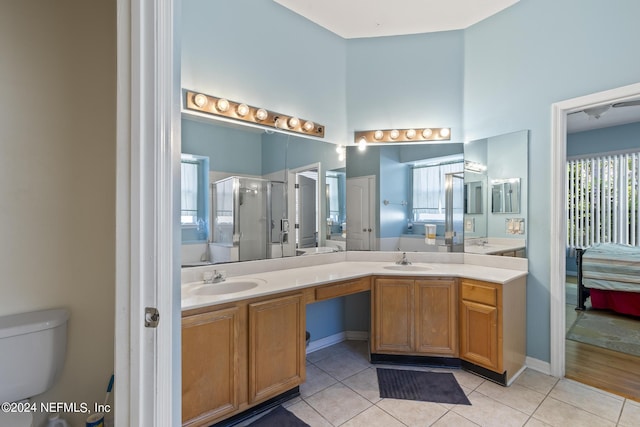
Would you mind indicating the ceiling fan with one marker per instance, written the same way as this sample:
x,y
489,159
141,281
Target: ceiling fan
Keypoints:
x,y
598,111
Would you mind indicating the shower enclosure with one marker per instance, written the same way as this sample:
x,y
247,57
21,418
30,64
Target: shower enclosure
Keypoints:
x,y
248,217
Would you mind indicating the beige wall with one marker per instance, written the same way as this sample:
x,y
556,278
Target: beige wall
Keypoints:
x,y
57,178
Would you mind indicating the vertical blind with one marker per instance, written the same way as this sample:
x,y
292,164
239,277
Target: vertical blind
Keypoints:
x,y
429,190
189,194
603,200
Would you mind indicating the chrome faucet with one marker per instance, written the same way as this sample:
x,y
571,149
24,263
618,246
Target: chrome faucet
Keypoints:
x,y
214,277
404,260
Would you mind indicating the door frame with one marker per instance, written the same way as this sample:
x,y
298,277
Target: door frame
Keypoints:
x,y
147,361
559,111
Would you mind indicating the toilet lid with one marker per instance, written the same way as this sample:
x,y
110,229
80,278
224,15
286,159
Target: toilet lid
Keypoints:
x,y
23,419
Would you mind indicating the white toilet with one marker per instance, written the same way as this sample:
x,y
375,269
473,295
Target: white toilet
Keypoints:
x,y
32,352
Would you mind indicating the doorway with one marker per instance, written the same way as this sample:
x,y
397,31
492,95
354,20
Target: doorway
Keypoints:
x,y
558,224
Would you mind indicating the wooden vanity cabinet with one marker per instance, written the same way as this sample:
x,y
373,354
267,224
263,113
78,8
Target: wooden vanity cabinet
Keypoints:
x,y
211,365
493,327
415,317
240,355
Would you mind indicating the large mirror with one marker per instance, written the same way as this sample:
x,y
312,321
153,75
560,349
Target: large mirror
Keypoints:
x,y
268,195
496,184
414,197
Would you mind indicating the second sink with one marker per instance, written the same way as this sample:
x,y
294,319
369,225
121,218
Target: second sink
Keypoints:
x,y
398,267
227,287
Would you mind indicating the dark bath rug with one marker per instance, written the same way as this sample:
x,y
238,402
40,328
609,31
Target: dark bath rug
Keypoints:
x,y
440,387
279,417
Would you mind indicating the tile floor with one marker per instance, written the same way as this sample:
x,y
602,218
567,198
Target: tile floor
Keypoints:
x,y
342,390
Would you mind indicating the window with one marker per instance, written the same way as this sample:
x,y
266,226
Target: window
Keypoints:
x,y
194,198
602,200
333,197
429,190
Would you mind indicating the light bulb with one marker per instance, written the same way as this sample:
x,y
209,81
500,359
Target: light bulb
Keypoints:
x,y
411,133
362,144
341,157
200,100
293,122
427,133
308,126
261,114
242,110
445,132
339,149
394,134
377,135
222,105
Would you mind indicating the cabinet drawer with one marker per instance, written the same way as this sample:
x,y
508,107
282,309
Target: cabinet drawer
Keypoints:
x,y
343,288
479,293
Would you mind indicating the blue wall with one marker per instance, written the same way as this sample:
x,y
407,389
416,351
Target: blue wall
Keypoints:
x,y
393,185
516,64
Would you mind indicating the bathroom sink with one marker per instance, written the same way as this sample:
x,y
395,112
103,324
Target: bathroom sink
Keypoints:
x,y
229,286
398,267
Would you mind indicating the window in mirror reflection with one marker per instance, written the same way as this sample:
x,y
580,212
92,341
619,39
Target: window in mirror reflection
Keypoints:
x,y
429,190
194,212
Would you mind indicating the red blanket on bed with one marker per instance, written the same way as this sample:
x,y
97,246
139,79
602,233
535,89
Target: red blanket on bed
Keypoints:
x,y
618,301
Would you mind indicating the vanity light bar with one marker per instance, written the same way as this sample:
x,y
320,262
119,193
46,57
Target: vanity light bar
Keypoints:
x,y
403,135
246,113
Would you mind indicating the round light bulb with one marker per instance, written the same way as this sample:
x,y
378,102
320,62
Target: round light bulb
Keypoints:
x,y
293,122
445,132
377,135
308,126
242,110
339,149
427,133
261,114
362,144
394,134
411,133
222,105
200,100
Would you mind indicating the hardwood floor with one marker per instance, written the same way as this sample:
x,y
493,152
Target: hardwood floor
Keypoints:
x,y
608,370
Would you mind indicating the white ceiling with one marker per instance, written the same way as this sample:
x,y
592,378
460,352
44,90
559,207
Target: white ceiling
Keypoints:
x,y
614,116
374,18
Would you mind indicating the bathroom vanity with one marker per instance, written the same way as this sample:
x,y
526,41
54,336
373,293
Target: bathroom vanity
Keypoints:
x,y
247,348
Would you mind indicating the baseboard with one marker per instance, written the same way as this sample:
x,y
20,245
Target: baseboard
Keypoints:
x,y
321,343
538,365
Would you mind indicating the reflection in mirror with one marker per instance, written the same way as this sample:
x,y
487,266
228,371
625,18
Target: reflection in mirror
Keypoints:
x,y
397,193
254,203
336,204
194,198
496,180
505,195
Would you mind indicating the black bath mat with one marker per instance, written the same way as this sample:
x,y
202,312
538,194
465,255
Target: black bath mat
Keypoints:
x,y
279,417
440,387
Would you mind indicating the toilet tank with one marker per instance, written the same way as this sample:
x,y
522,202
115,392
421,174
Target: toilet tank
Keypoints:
x,y
32,352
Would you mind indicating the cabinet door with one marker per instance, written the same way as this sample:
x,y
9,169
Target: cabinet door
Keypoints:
x,y
479,334
436,317
393,316
276,346
210,365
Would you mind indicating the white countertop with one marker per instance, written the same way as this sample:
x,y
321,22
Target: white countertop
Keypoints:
x,y
493,245
289,279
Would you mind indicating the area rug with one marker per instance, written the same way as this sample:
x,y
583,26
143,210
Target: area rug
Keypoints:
x,y
279,417
617,333
440,387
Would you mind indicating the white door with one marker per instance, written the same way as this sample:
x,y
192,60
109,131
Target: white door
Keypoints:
x,y
361,213
307,211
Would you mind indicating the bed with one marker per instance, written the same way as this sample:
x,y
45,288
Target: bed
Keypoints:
x,y
609,273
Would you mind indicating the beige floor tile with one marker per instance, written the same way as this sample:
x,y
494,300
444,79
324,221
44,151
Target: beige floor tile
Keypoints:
x,y
488,412
518,397
342,365
561,414
365,383
373,417
536,423
466,379
451,419
317,380
537,381
630,414
292,401
323,353
412,412
338,403
598,402
307,414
